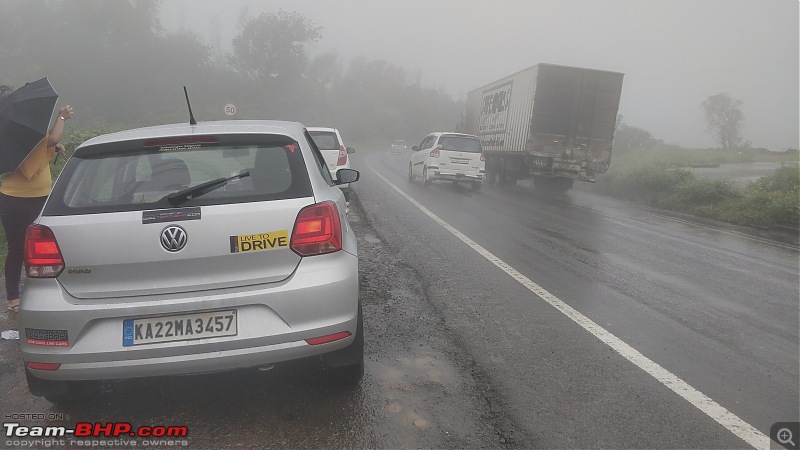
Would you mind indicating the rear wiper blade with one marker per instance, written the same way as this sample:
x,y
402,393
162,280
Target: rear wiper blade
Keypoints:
x,y
203,188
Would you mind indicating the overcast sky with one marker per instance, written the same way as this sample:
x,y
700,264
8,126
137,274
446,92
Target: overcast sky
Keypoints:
x,y
674,53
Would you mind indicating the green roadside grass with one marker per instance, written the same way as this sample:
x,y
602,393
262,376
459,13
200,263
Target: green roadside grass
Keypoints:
x,y
662,180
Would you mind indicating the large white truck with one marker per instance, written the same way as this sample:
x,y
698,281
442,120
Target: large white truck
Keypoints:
x,y
550,122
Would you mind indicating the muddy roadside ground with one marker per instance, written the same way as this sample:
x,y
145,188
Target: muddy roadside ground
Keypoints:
x,y
420,388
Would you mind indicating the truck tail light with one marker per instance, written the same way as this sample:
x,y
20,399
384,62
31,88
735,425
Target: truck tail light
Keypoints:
x,y
342,156
43,258
317,230
435,152
483,157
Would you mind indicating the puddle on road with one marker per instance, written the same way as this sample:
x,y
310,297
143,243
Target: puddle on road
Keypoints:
x,y
418,390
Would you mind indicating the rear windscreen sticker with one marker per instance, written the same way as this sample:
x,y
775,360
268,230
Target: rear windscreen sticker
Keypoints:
x,y
177,148
260,241
171,215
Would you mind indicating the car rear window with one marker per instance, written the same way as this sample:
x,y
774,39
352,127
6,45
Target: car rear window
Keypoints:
x,y
460,144
134,175
325,140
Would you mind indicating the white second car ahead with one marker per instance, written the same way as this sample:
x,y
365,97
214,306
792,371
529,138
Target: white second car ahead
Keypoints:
x,y
453,157
337,156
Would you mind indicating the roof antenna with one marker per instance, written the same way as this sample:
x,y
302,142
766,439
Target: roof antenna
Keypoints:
x,y
191,116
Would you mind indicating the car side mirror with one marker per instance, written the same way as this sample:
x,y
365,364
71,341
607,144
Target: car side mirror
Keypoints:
x,y
344,176
351,150
415,148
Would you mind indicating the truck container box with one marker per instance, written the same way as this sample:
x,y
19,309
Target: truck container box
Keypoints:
x,y
547,121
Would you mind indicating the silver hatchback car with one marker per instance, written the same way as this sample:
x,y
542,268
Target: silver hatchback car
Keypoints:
x,y
183,249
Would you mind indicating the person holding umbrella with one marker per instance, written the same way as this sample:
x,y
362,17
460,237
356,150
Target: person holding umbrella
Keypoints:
x,y
25,189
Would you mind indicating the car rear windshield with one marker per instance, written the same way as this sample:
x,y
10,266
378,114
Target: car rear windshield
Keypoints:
x,y
325,140
139,175
460,144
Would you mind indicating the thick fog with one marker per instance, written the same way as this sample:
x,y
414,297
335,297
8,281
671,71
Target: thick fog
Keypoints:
x,y
674,53
386,70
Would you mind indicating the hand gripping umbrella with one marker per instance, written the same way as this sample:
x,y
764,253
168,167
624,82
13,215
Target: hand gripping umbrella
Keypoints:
x,y
24,118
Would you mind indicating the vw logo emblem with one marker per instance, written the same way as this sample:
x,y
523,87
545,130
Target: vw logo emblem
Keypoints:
x,y
173,238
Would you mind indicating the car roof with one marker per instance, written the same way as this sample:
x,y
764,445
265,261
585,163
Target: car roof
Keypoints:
x,y
450,133
292,129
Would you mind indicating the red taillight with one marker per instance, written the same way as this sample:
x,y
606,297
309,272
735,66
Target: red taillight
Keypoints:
x,y
435,152
43,366
342,156
328,338
42,256
317,230
483,158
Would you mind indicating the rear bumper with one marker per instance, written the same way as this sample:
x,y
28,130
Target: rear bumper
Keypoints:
x,y
451,175
273,322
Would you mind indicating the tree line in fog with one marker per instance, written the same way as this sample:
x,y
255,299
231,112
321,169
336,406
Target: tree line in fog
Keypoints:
x,y
117,65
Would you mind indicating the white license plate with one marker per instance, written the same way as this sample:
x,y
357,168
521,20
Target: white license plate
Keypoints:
x,y
459,161
178,328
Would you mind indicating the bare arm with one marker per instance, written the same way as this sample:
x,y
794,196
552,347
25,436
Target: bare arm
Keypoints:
x,y
54,137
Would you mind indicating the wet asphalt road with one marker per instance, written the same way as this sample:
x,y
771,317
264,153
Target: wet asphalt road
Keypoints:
x,y
459,354
716,307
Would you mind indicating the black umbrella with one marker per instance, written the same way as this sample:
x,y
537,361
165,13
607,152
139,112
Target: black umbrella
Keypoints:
x,y
24,118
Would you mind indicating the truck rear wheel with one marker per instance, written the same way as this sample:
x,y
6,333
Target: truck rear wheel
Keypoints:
x,y
511,178
491,170
501,171
507,177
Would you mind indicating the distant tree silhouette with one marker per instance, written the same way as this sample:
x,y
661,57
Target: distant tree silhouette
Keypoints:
x,y
272,46
724,119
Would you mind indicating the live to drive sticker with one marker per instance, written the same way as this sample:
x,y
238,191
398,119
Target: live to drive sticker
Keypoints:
x,y
259,241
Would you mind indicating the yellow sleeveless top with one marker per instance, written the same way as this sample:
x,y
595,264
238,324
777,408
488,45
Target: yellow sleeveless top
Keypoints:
x,y
32,178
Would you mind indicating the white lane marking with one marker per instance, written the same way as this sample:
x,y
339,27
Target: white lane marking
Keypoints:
x,y
727,419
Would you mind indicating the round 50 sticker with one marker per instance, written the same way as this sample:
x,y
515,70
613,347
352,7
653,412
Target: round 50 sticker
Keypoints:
x,y
230,109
